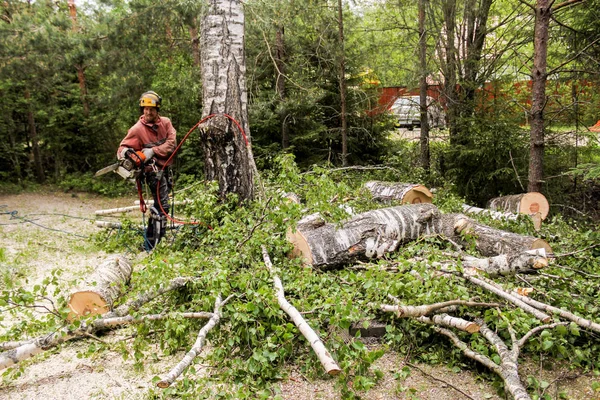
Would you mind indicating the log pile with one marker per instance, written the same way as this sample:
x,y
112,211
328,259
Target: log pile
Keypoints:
x,y
377,232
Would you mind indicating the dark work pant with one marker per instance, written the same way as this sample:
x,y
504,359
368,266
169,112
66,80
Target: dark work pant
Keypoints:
x,y
152,180
157,223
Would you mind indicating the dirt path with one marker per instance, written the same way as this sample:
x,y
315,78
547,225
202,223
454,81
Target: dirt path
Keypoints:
x,y
55,238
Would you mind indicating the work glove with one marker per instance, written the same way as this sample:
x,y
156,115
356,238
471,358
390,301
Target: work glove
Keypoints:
x,y
149,153
123,153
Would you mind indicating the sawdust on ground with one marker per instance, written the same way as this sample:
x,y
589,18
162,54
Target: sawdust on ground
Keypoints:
x,y
55,237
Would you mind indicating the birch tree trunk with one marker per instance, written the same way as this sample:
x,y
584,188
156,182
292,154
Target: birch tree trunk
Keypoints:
x,y
406,193
524,203
227,152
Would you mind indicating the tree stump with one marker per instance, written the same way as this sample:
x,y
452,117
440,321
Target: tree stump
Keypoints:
x,y
101,289
370,234
489,241
525,203
406,193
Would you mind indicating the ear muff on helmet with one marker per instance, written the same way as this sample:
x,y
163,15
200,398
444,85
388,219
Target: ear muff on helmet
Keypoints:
x,y
150,99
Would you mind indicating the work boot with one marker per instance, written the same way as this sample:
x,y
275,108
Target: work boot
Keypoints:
x,y
157,225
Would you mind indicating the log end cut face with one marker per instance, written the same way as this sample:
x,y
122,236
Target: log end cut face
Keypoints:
x,y
85,304
301,248
417,195
541,244
534,202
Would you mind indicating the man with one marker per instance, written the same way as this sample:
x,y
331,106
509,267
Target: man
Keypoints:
x,y
150,143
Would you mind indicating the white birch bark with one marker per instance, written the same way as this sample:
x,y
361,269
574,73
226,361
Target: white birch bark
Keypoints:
x,y
489,241
101,289
506,264
19,351
327,361
584,323
228,155
491,213
370,234
407,193
426,309
170,377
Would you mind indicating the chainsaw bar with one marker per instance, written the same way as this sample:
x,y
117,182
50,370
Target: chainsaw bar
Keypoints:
x,y
106,170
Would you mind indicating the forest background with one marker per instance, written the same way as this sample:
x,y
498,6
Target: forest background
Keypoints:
x,y
70,83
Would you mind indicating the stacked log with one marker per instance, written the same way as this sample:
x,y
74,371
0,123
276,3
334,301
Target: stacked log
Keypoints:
x,y
524,203
490,241
101,289
406,193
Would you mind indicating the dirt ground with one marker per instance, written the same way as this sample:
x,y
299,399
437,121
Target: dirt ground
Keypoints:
x,y
55,238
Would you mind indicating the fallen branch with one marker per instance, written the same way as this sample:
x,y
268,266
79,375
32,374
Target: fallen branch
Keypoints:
x,y
508,368
169,378
509,357
450,322
31,348
423,310
507,264
143,298
317,345
492,287
21,350
584,323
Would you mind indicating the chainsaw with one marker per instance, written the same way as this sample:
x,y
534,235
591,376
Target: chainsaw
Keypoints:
x,y
128,168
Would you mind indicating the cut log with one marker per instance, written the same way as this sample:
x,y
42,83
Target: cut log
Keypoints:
x,y
370,234
524,203
489,241
118,210
406,193
101,289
